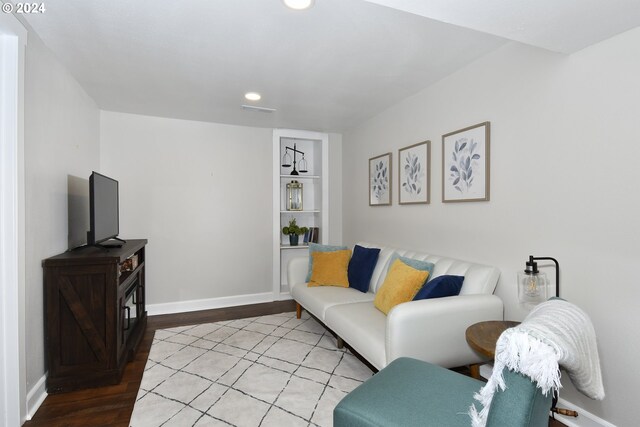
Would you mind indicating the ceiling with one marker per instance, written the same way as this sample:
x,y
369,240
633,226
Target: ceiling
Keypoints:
x,y
327,68
563,26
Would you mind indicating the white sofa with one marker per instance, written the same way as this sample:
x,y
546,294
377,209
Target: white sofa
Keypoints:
x,y
432,330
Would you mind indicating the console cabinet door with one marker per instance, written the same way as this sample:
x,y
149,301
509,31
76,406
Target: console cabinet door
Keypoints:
x,y
81,322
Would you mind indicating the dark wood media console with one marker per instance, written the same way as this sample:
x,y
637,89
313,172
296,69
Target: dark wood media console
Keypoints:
x,y
95,314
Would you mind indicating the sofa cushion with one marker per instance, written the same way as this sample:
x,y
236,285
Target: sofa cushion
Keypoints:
x,y
315,247
316,300
401,285
361,267
441,286
330,268
362,326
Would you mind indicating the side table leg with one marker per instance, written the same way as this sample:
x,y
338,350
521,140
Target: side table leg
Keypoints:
x,y
475,371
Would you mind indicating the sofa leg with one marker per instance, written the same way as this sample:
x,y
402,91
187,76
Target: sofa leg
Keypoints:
x,y
340,342
298,311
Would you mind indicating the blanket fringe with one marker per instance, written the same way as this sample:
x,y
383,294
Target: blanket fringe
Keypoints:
x,y
517,351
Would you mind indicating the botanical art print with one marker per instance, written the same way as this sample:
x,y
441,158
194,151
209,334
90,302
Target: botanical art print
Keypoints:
x,y
414,173
380,180
465,164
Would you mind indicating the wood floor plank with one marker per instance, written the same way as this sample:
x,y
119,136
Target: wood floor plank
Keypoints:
x,y
112,405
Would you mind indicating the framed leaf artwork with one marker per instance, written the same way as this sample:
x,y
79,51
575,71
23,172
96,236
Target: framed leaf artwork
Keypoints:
x,y
465,164
380,180
414,175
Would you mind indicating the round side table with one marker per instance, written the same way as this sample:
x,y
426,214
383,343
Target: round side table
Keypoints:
x,y
482,337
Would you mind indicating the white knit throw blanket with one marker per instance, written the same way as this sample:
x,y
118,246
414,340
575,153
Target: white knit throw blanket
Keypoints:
x,y
556,333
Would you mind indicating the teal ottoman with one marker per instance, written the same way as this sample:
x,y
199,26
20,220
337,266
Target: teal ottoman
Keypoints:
x,y
410,392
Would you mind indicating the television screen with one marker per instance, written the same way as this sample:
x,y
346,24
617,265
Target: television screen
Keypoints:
x,y
103,208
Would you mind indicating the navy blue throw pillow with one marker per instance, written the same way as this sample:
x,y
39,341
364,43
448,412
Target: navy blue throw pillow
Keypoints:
x,y
361,266
441,286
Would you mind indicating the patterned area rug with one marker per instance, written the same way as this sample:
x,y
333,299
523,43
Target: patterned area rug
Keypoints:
x,y
271,370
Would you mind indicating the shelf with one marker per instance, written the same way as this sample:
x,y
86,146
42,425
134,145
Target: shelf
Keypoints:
x,y
299,177
297,212
294,247
126,274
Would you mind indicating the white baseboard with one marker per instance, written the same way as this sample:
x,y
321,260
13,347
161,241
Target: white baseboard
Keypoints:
x,y
584,418
36,396
208,304
284,296
486,370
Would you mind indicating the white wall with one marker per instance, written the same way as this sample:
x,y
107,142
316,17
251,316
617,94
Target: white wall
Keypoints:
x,y
564,142
61,139
335,188
201,193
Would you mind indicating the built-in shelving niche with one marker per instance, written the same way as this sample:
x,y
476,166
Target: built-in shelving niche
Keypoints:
x,y
314,198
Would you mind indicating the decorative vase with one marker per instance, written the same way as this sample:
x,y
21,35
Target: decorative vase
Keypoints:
x,y
293,239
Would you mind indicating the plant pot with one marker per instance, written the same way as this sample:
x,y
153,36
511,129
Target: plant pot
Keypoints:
x,y
293,239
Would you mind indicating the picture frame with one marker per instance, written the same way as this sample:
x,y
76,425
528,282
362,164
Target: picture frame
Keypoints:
x,y
414,174
465,164
380,180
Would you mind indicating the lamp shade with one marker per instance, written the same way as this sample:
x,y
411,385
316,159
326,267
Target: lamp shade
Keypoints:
x,y
533,288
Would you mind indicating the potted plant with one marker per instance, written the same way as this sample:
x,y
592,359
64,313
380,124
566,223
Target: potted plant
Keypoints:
x,y
294,231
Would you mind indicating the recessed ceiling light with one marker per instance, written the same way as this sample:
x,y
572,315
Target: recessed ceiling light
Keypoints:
x,y
252,96
298,4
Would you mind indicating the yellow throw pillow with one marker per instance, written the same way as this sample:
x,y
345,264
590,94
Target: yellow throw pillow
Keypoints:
x,y
401,285
330,268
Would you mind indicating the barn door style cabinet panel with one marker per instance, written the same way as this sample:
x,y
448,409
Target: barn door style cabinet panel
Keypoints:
x,y
95,314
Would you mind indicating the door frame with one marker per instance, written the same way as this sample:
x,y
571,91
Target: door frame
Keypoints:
x,y
13,37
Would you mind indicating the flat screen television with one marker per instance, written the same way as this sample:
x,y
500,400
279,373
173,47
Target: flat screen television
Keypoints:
x,y
104,218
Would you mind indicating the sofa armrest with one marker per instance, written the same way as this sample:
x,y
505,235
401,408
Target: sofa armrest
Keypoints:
x,y
297,270
433,330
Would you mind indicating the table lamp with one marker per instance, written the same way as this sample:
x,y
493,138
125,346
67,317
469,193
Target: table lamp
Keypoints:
x,y
533,286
